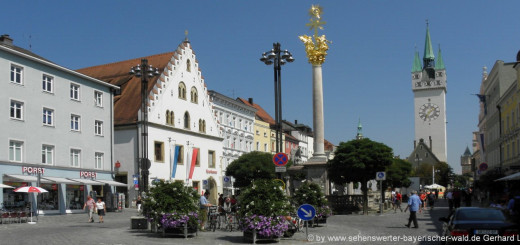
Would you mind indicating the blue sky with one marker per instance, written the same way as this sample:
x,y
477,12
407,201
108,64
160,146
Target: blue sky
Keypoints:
x,y
366,74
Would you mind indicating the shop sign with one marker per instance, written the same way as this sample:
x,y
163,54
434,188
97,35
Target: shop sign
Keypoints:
x,y
81,187
33,170
87,174
54,187
209,171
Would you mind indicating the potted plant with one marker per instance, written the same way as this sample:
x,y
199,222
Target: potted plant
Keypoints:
x,y
172,207
263,207
310,193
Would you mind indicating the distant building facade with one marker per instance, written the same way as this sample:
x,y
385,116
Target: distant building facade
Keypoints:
x,y
57,132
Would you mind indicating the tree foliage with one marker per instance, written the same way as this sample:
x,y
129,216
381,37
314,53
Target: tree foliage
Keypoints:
x,y
251,166
397,173
443,171
359,160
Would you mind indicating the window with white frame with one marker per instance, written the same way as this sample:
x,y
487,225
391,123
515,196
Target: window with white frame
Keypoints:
x,y
75,157
47,83
75,122
16,74
48,117
98,127
74,91
15,151
47,154
98,98
16,110
99,160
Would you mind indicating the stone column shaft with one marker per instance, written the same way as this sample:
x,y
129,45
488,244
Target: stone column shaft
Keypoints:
x,y
318,119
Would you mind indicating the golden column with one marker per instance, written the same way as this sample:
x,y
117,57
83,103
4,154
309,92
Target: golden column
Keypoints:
x,y
316,48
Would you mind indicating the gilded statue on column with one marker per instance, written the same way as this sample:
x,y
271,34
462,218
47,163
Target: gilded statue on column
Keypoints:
x,y
316,50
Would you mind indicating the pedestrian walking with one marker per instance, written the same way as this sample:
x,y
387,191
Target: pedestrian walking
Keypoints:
x,y
431,200
138,203
457,196
398,201
423,199
101,209
449,196
414,204
90,204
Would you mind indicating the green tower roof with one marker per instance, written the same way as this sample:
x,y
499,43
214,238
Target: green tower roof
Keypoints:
x,y
359,134
428,49
439,64
416,63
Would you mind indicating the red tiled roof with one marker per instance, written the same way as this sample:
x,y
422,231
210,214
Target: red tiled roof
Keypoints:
x,y
127,105
260,113
327,145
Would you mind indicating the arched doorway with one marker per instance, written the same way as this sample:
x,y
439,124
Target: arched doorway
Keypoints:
x,y
212,187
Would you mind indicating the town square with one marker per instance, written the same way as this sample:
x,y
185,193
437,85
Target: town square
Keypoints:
x,y
290,122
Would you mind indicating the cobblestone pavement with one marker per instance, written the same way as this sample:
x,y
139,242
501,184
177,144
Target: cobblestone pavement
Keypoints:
x,y
340,229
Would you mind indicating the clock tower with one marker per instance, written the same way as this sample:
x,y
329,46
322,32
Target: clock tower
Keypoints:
x,y
429,88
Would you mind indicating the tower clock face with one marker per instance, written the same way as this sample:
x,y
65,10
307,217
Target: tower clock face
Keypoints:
x,y
429,112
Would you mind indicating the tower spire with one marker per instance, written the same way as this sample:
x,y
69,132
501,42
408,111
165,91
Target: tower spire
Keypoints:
x,y
416,62
359,134
428,56
439,64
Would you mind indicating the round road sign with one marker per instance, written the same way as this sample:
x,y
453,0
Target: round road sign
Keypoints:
x,y
280,159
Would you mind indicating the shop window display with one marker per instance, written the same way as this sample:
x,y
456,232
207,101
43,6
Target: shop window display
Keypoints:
x,y
49,200
75,196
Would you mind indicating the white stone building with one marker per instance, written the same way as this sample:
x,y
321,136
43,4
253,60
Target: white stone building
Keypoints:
x,y
56,132
236,126
181,121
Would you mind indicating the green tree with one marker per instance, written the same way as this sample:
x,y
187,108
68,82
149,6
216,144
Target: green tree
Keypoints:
x,y
359,160
443,171
251,166
397,173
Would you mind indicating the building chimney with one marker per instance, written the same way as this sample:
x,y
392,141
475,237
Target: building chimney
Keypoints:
x,y
431,143
5,39
251,101
295,122
414,144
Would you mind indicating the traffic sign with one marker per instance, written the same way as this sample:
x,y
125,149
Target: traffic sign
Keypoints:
x,y
483,166
380,176
280,159
227,179
306,212
280,169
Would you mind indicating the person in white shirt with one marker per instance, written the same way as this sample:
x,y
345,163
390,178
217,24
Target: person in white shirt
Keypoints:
x,y
101,209
449,196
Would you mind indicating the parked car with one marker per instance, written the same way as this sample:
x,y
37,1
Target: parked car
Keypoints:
x,y
472,224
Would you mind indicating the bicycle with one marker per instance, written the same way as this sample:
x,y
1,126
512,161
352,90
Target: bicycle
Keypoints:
x,y
212,217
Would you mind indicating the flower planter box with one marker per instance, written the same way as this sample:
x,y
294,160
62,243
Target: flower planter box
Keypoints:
x,y
181,231
252,236
321,220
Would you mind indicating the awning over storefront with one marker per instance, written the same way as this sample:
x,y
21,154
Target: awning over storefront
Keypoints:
x,y
24,178
113,183
61,180
87,182
510,177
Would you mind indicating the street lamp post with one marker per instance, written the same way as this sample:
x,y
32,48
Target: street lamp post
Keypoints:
x,y
277,57
145,72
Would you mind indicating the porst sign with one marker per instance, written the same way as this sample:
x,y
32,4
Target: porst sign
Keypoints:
x,y
33,170
87,175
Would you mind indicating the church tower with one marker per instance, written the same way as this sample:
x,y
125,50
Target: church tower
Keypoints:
x,y
429,88
359,134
